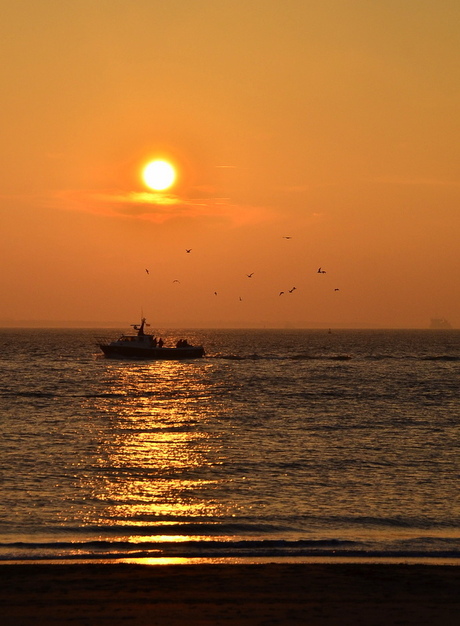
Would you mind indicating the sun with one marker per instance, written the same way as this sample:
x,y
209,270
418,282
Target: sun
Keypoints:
x,y
159,175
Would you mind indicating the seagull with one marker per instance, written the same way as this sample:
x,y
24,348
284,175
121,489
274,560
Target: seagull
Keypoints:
x,y
281,293
147,271
215,293
336,289
287,237
176,281
250,275
320,271
188,250
293,289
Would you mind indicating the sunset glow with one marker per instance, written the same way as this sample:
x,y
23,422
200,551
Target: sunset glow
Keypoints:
x,y
327,138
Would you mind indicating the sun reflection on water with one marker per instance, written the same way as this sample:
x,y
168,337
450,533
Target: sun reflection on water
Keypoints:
x,y
156,460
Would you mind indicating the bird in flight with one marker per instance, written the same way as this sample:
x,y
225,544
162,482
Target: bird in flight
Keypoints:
x,y
336,289
188,250
176,281
287,237
293,289
250,275
147,271
281,293
321,271
215,293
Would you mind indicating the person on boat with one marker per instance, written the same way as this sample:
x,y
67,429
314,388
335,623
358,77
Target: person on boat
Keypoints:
x,y
160,342
154,342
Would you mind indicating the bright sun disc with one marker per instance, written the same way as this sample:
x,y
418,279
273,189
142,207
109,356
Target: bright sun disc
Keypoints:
x,y
159,175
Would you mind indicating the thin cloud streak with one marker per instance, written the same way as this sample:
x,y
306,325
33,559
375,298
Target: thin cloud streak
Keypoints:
x,y
432,182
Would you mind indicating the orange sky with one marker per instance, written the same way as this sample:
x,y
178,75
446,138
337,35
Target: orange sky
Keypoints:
x,y
334,122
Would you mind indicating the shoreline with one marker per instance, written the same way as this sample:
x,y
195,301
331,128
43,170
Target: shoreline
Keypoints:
x,y
433,561
317,594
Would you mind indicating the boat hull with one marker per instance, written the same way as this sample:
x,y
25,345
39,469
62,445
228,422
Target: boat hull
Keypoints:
x,y
134,352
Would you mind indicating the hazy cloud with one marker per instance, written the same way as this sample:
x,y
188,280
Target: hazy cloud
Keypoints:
x,y
159,207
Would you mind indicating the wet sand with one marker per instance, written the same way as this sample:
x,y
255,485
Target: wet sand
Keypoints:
x,y
314,594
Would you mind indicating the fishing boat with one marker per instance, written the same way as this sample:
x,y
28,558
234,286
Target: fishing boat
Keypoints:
x,y
145,346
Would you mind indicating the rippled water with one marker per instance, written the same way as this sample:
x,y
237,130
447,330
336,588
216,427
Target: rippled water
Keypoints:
x,y
277,443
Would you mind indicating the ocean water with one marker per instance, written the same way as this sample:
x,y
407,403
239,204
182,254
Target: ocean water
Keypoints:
x,y
278,444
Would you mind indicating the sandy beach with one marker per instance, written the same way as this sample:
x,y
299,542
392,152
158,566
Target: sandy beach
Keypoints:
x,y
315,594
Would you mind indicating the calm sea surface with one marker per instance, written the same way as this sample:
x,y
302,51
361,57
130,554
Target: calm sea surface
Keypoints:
x,y
276,444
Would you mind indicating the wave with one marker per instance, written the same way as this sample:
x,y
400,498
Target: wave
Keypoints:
x,y
103,395
441,357
29,394
122,549
281,538
292,357
333,357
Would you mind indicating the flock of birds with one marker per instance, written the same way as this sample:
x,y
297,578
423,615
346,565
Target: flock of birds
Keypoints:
x,y
281,293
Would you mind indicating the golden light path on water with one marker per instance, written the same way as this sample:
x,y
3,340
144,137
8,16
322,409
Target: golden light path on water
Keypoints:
x,y
158,462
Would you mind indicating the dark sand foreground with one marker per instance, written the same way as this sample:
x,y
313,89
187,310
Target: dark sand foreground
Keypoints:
x,y
314,594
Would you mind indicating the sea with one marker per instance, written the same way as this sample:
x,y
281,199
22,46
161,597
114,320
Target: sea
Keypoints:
x,y
278,444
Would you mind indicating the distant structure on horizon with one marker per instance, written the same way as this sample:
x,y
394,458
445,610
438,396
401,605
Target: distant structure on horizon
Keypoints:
x,y
439,322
